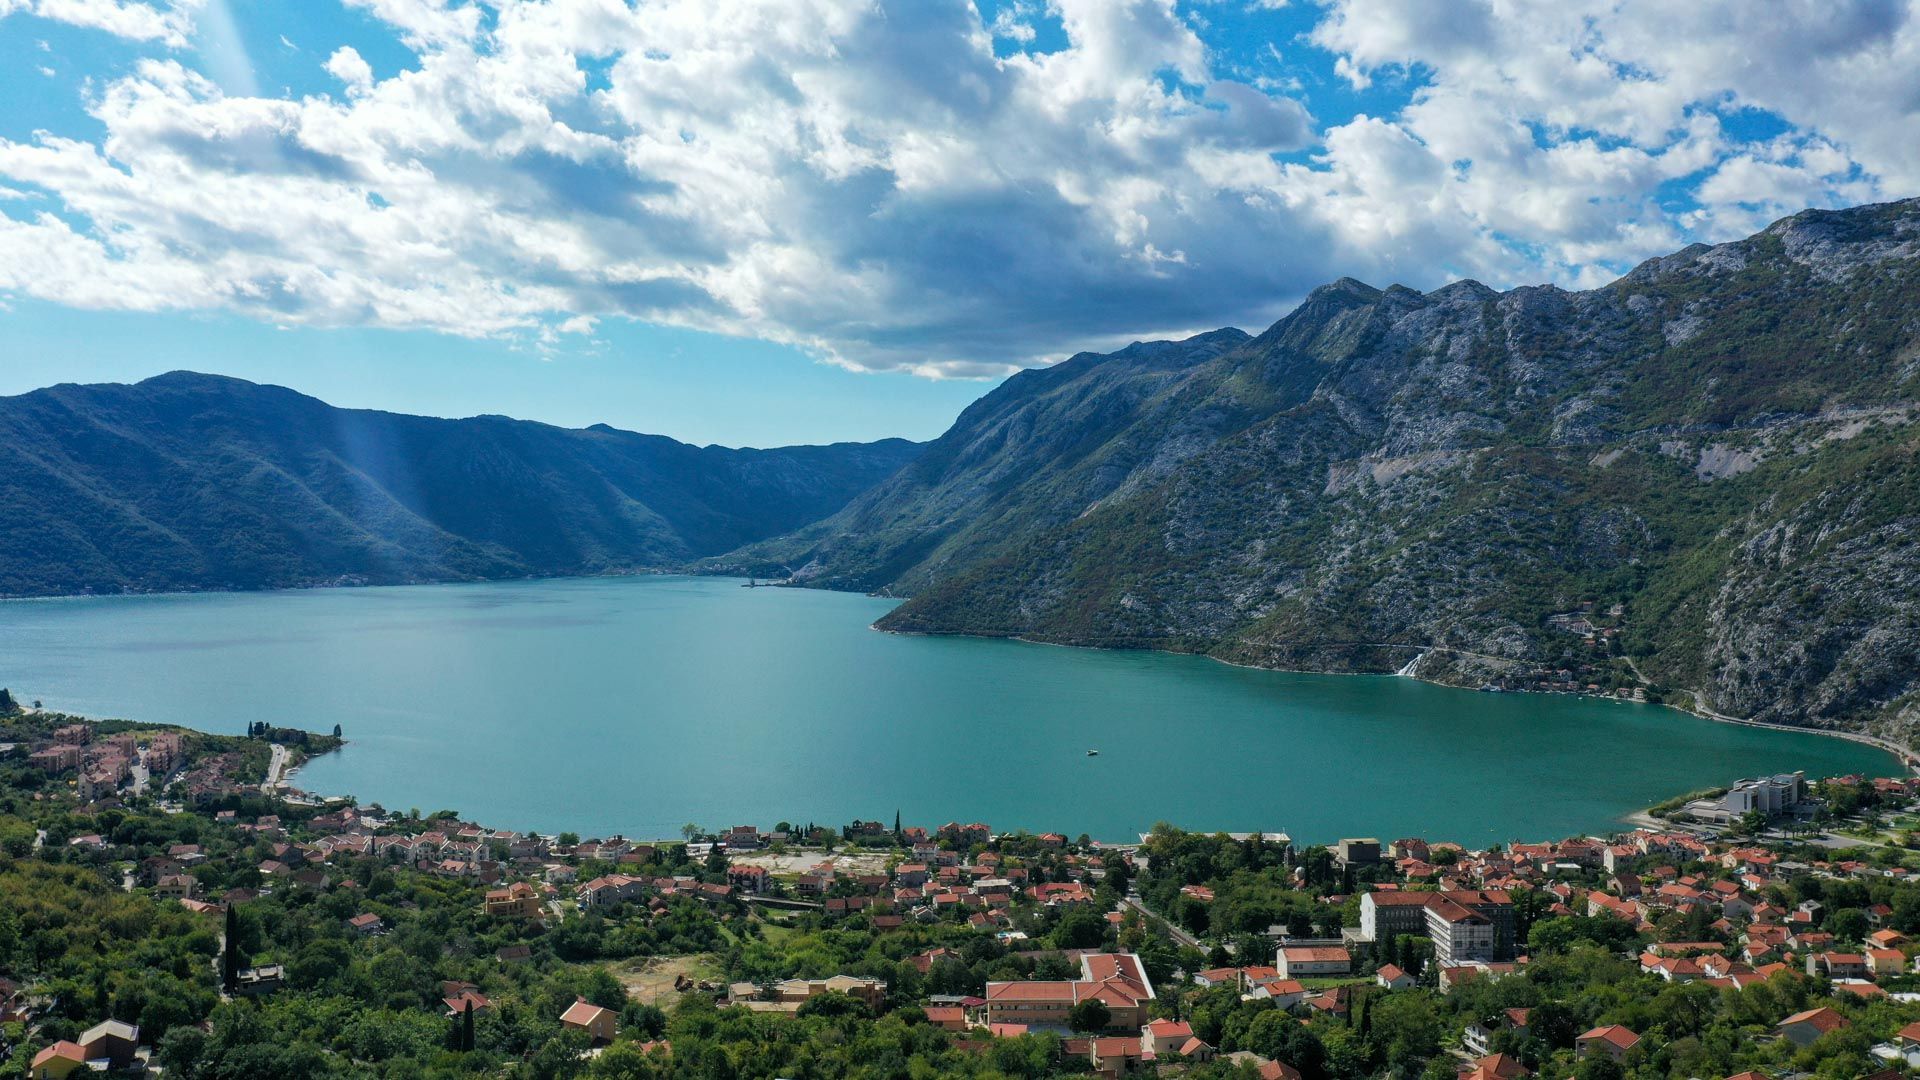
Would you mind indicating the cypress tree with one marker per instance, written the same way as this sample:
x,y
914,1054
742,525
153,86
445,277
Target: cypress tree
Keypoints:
x,y
230,954
466,1027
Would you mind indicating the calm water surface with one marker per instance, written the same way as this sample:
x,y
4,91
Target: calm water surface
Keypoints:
x,y
639,704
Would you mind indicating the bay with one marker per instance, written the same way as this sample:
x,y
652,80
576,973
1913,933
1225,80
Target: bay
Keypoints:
x,y
638,704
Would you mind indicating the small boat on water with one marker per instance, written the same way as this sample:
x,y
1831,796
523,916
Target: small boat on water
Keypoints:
x,y
1093,753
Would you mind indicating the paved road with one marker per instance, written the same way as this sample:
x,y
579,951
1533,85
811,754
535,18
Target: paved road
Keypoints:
x,y
276,769
1179,935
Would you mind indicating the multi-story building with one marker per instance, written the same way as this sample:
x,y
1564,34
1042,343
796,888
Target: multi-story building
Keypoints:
x,y
1363,851
1769,795
1116,979
1460,934
1388,914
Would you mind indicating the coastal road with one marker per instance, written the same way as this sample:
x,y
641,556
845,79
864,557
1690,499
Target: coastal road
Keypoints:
x,y
276,769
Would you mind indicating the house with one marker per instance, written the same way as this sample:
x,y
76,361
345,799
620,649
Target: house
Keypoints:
x,y
516,901
965,835
1837,965
1802,1028
1886,961
948,1017
1391,977
1495,1067
1229,976
583,1016
1115,1056
1164,1037
748,879
923,962
259,981
1613,1040
176,887
59,1061
112,1041
457,1003
1311,961
1284,993
367,924
513,954
1264,1068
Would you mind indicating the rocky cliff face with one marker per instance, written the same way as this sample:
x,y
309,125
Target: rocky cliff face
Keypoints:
x,y
1699,478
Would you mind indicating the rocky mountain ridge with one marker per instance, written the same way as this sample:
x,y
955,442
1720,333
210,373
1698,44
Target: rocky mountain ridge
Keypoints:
x,y
1720,445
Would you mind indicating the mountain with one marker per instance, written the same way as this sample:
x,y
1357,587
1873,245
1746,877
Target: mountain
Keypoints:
x,y
190,481
1700,480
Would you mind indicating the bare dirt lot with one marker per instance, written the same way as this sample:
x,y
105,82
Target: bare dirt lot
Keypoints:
x,y
650,981
800,862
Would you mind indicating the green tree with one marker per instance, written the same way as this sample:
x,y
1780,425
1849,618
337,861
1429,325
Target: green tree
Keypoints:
x,y
1600,1067
1089,1015
1080,928
1848,925
230,951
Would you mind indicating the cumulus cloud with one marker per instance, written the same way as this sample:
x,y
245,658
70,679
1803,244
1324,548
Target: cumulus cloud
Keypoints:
x,y
169,22
1561,123
350,68
871,182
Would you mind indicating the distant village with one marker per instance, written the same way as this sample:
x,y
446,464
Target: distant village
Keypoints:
x,y
1155,927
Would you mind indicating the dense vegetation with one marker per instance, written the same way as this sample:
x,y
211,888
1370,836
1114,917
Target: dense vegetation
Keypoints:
x,y
1721,444
83,934
190,481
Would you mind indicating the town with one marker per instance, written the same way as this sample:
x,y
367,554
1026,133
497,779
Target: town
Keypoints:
x,y
172,908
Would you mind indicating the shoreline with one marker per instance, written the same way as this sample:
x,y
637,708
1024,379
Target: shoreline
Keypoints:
x,y
1906,759
289,781
287,790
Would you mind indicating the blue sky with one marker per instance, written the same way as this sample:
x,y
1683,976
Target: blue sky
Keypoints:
x,y
752,223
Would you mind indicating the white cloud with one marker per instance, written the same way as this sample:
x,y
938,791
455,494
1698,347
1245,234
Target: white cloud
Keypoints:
x,y
347,65
1562,120
169,22
868,181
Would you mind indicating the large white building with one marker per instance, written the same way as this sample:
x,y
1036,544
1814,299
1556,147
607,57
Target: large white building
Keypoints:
x,y
1487,936
1460,934
1769,795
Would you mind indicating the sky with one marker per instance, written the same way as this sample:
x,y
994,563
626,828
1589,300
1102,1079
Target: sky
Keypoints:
x,y
757,223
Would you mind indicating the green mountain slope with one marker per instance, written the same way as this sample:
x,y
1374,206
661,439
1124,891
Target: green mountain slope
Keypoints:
x,y
1720,446
192,481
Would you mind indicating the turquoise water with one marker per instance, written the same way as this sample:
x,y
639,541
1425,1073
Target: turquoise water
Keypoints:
x,y
640,704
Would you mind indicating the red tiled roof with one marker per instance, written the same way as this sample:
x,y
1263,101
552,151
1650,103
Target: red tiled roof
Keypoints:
x,y
582,1013
1613,1034
1823,1019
